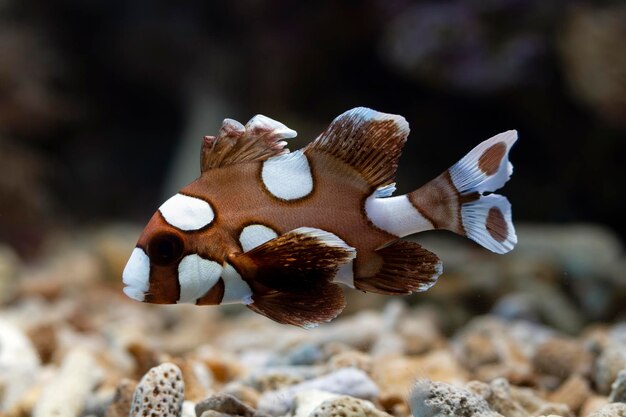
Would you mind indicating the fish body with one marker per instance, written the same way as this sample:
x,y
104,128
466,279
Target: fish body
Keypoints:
x,y
279,231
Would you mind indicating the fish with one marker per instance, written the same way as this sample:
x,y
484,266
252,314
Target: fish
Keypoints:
x,y
281,232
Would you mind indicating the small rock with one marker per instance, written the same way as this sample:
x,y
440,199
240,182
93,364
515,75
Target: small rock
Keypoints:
x,y
302,354
593,404
351,358
345,406
224,404
306,402
618,389
610,410
498,396
44,338
196,378
346,381
562,357
160,393
513,401
396,374
67,394
608,365
120,407
9,275
434,399
242,392
573,392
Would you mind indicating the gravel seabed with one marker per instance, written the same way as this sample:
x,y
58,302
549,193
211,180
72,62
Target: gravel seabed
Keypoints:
x,y
539,332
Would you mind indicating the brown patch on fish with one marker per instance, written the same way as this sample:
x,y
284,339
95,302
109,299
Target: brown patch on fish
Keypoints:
x,y
439,202
490,160
496,224
214,296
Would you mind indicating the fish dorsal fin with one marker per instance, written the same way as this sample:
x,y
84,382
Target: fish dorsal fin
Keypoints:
x,y
291,276
369,141
261,138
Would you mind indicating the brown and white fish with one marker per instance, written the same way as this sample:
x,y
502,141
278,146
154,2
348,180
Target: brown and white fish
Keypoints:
x,y
279,231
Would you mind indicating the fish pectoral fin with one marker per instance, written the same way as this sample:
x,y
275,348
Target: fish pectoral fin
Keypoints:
x,y
407,268
305,308
291,276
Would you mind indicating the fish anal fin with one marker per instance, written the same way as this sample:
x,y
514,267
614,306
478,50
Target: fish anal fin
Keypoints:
x,y
369,141
261,138
291,276
407,268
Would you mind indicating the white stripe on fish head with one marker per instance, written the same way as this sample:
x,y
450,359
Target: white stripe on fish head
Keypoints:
x,y
196,277
255,235
288,177
136,275
187,213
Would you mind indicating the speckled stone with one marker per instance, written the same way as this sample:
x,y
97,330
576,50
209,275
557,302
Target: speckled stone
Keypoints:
x,y
160,393
345,406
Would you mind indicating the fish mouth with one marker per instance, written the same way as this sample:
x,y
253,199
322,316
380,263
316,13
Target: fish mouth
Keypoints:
x,y
134,293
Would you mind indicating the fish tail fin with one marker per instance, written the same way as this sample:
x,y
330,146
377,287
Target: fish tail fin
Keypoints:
x,y
460,199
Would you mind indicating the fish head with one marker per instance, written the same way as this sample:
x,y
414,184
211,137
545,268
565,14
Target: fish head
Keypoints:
x,y
172,262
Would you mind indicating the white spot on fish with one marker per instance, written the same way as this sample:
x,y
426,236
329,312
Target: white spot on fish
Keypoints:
x,y
395,215
236,290
136,275
196,277
255,235
187,213
288,176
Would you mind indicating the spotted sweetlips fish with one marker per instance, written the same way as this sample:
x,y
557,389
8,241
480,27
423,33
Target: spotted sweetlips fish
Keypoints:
x,y
279,231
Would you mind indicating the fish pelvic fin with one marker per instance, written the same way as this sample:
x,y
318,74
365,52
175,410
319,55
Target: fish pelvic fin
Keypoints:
x,y
460,199
291,276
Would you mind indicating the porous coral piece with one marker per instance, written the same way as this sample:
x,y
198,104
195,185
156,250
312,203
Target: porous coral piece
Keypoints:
x,y
432,399
514,401
67,394
610,410
346,406
160,393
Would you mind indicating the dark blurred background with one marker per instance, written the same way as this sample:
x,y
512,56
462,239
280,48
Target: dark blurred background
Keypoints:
x,y
103,103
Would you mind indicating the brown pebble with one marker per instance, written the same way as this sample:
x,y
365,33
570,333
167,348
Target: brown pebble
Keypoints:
x,y
44,338
120,407
573,392
562,357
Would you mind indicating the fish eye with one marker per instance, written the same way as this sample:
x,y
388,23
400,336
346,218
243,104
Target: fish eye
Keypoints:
x,y
165,249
